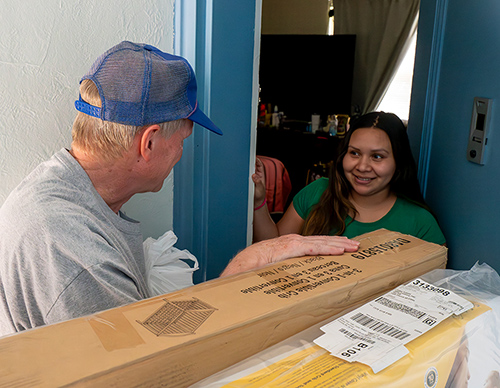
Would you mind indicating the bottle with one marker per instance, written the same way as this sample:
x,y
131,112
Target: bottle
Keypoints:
x,y
262,114
332,125
275,118
315,123
343,121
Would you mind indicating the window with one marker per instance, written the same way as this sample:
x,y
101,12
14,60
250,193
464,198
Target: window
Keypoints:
x,y
331,18
397,97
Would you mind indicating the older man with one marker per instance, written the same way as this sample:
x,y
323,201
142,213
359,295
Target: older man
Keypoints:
x,y
66,250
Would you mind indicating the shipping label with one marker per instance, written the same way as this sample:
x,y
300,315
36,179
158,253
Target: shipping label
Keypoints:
x,y
375,333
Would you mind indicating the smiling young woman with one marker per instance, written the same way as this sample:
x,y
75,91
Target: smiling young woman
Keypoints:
x,y
372,185
369,166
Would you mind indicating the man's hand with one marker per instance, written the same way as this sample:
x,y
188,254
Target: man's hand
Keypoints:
x,y
285,247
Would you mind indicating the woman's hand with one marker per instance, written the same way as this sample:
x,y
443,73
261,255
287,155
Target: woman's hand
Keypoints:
x,y
288,246
259,179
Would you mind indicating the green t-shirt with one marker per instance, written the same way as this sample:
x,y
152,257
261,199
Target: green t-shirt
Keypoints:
x,y
404,217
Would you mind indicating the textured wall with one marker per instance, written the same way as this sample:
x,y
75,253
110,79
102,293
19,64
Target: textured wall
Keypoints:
x,y
45,48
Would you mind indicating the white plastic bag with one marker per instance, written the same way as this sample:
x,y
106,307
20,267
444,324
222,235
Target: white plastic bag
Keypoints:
x,y
479,284
166,270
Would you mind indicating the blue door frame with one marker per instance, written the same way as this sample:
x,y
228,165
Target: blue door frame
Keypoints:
x,y
212,207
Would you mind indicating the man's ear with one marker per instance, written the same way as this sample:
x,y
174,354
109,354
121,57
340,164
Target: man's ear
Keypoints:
x,y
147,141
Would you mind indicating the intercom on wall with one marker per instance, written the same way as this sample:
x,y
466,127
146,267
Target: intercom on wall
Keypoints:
x,y
478,136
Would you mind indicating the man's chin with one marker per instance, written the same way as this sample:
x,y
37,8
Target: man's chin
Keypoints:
x,y
155,190
152,189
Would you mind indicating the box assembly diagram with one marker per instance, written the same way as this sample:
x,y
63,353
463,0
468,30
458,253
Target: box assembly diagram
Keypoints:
x,y
178,317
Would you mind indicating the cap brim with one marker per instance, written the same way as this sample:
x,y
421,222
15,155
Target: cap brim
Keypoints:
x,y
200,118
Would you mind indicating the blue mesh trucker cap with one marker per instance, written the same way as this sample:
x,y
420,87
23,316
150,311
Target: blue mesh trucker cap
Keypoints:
x,y
141,85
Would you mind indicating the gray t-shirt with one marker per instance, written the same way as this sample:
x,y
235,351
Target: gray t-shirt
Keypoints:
x,y
63,252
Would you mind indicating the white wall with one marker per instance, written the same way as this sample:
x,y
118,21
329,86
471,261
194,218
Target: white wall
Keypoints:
x,y
45,48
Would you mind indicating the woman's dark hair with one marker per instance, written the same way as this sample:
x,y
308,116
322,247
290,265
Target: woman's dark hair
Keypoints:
x,y
334,205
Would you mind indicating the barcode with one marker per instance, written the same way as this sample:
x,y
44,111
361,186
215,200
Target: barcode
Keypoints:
x,y
401,307
380,327
354,336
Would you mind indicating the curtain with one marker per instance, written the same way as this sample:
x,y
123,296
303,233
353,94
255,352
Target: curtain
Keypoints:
x,y
383,29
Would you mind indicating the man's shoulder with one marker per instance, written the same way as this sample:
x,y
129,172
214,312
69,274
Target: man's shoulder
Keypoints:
x,y
55,180
46,207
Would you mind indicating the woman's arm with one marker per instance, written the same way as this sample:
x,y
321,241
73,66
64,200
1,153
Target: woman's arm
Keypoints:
x,y
291,222
264,227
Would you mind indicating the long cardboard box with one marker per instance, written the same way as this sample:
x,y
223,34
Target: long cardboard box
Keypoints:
x,y
180,338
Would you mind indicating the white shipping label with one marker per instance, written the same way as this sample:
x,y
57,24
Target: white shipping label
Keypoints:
x,y
375,333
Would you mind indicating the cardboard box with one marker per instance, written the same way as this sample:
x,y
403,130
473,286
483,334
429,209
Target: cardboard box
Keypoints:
x,y
180,338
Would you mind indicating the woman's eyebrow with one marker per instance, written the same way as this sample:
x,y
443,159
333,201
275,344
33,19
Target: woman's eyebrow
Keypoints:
x,y
371,150
381,150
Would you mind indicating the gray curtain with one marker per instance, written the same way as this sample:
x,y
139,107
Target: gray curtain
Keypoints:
x,y
383,29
